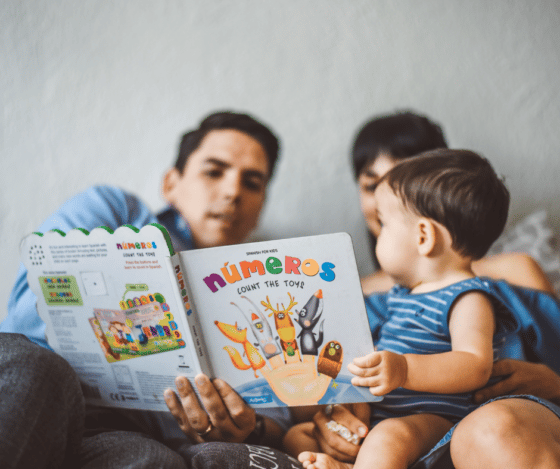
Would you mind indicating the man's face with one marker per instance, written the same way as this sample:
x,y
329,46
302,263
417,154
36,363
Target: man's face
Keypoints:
x,y
222,189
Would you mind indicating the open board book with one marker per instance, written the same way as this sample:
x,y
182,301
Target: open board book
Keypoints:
x,y
278,320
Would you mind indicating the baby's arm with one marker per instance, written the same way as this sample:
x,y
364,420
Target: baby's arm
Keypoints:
x,y
465,368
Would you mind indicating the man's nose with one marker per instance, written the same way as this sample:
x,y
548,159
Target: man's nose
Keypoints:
x,y
232,186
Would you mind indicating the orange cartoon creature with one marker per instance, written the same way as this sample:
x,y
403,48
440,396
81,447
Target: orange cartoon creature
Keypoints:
x,y
239,336
285,327
330,359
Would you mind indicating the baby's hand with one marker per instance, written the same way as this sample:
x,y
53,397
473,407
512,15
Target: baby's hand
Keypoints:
x,y
380,371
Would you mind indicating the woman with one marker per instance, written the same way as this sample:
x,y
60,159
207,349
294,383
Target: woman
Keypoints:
x,y
528,429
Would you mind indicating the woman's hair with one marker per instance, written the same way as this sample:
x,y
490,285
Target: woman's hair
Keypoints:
x,y
460,190
400,135
227,120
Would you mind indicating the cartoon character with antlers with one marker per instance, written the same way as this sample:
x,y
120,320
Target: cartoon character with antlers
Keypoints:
x,y
285,328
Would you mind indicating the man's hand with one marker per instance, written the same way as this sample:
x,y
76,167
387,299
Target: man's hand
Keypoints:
x,y
355,417
380,371
520,377
221,416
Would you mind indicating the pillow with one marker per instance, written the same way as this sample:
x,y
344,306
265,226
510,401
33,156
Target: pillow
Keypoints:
x,y
534,236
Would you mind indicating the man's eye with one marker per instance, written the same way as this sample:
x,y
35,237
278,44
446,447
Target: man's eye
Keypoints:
x,y
370,187
213,173
253,184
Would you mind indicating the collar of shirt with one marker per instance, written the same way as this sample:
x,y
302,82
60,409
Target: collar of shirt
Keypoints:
x,y
178,229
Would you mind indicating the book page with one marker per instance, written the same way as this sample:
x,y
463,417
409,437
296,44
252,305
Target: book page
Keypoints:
x,y
109,302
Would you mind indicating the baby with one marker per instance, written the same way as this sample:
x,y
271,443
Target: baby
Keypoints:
x,y
438,213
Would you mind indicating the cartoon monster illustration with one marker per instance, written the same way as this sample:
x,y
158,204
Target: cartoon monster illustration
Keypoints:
x,y
284,327
261,330
330,359
309,316
239,336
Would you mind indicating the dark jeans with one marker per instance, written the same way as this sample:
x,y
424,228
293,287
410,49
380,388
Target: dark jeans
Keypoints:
x,y
44,423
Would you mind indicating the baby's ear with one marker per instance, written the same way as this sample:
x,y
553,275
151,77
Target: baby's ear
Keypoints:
x,y
426,236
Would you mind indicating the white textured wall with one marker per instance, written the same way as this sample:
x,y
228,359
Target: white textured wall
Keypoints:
x,y
99,92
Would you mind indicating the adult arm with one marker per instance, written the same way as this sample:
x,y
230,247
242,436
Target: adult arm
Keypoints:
x,y
516,268
521,377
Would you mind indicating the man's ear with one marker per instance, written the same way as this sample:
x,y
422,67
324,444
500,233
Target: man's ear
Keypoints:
x,y
170,179
426,236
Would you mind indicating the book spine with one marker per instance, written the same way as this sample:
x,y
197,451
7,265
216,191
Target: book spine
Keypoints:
x,y
184,298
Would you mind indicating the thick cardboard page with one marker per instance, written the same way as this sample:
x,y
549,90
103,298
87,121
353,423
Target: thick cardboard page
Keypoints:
x,y
110,304
282,319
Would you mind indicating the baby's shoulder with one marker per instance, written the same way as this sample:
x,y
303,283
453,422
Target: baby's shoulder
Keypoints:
x,y
376,282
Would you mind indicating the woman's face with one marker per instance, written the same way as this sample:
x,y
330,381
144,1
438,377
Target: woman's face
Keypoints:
x,y
367,182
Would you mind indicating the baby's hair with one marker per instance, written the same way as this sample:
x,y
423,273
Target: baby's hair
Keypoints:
x,y
458,189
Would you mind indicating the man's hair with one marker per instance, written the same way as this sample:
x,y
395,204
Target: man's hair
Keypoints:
x,y
400,135
227,120
458,189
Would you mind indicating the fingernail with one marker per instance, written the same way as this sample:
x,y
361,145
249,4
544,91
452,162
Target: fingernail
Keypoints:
x,y
362,431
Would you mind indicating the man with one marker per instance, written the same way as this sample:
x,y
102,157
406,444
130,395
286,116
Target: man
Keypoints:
x,y
215,192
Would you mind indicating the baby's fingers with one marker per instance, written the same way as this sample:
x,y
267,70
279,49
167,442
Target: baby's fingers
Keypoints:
x,y
363,372
367,381
377,386
368,361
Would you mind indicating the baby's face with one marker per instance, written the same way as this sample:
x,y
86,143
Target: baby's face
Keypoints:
x,y
367,183
396,247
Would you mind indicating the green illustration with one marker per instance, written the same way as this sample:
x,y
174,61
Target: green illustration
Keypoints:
x,y
61,290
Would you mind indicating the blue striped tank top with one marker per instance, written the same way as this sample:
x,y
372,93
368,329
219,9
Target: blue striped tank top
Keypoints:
x,y
418,323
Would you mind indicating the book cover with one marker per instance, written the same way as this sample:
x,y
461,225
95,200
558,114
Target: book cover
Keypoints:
x,y
282,319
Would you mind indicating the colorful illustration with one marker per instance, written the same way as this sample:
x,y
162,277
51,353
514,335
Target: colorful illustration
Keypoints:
x,y
61,290
291,371
140,330
309,316
330,360
110,355
285,328
261,330
239,336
